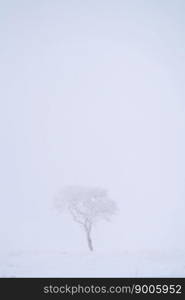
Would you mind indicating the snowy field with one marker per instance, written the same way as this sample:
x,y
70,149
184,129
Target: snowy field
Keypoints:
x,y
121,264
93,96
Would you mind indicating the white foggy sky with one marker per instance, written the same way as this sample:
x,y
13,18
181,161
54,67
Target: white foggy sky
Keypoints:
x,y
92,93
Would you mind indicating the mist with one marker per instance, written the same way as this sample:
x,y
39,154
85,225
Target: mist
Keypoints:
x,y
92,94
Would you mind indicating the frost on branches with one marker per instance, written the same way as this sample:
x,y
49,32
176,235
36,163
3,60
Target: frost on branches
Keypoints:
x,y
87,206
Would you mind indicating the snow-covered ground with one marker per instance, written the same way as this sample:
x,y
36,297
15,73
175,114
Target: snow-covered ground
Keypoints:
x,y
84,264
93,96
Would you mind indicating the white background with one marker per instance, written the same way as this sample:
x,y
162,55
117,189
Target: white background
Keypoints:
x,y
92,93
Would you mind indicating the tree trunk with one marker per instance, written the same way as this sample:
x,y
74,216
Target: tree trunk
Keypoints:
x,y
89,240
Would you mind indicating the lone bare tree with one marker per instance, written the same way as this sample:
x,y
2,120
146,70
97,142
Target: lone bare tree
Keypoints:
x,y
86,206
